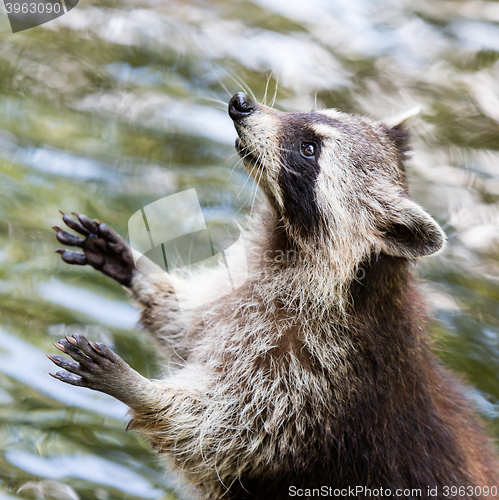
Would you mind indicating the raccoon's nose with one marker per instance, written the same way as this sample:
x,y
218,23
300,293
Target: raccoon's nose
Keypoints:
x,y
240,106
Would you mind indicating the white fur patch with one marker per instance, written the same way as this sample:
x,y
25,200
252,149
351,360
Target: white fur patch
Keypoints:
x,y
328,131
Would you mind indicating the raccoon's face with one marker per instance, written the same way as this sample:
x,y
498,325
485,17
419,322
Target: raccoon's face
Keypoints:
x,y
334,177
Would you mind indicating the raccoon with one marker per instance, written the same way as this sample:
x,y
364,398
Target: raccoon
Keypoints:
x,y
316,377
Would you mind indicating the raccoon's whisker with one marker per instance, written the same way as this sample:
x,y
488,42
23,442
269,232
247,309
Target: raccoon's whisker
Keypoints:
x,y
234,167
256,165
314,109
249,153
256,188
218,106
275,91
237,154
285,150
267,88
250,91
247,179
231,157
260,159
241,160
283,165
218,101
239,211
243,85
222,84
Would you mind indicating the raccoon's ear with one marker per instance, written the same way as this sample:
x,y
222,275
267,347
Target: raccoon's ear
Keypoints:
x,y
401,120
411,232
396,129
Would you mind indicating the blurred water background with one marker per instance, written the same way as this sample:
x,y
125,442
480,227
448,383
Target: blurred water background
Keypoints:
x,y
118,104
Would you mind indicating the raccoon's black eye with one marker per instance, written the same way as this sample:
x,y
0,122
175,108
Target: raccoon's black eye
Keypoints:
x,y
308,148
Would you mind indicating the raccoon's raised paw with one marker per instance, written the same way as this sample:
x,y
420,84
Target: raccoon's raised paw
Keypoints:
x,y
94,366
103,249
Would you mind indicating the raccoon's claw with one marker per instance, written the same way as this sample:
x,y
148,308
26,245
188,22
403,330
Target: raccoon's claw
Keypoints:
x,y
88,224
93,365
76,258
103,249
67,364
69,378
67,238
72,224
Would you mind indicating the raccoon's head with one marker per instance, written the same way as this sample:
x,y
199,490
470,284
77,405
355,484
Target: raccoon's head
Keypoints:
x,y
335,179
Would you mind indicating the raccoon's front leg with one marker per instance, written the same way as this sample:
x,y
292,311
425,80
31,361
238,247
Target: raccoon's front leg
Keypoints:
x,y
107,251
103,249
169,413
97,367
